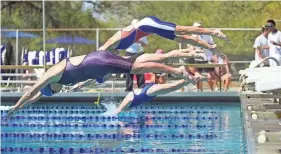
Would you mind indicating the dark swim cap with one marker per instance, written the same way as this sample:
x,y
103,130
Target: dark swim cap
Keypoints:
x,y
47,91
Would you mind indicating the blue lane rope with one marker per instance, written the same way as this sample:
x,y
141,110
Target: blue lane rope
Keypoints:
x,y
102,126
135,108
101,111
18,136
104,150
85,118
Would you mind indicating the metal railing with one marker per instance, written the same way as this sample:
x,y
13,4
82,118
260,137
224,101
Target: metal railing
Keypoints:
x,y
97,32
112,83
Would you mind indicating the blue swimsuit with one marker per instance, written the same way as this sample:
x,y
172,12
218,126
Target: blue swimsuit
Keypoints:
x,y
142,97
147,26
94,66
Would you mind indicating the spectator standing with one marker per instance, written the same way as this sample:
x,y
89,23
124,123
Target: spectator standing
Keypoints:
x,y
261,45
274,42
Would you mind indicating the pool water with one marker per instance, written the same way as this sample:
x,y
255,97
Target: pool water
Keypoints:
x,y
160,128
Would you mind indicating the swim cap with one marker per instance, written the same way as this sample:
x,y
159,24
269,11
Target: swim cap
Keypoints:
x,y
47,91
159,51
197,24
100,80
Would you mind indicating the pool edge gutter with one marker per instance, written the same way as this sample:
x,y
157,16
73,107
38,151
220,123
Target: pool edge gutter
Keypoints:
x,y
90,97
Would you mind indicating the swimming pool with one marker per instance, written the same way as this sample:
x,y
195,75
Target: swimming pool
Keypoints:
x,y
161,128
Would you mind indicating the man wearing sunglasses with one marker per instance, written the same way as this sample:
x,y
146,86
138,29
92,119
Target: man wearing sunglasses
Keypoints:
x,y
274,42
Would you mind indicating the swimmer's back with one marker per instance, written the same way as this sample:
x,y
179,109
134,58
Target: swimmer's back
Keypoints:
x,y
142,97
95,65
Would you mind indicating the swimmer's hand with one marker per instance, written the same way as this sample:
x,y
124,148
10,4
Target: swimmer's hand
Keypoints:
x,y
10,113
75,88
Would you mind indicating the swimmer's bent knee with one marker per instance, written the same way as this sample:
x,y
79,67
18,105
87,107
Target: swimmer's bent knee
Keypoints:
x,y
137,68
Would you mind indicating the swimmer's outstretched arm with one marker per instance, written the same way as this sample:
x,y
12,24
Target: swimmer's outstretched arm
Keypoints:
x,y
80,85
180,53
87,82
125,103
196,41
32,100
157,89
162,89
29,95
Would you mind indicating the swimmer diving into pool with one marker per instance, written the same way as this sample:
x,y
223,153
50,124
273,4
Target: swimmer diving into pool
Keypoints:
x,y
148,93
97,65
152,25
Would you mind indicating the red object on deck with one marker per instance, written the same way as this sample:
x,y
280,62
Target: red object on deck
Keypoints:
x,y
147,77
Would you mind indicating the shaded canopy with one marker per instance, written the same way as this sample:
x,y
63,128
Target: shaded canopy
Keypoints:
x,y
13,34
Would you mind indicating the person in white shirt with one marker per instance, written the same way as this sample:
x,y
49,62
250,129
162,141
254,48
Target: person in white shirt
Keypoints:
x,y
261,45
136,48
274,42
207,59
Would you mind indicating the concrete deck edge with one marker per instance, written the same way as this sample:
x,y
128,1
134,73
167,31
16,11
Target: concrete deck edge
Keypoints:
x,y
228,97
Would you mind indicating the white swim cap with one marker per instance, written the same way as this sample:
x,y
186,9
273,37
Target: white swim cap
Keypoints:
x,y
197,24
134,21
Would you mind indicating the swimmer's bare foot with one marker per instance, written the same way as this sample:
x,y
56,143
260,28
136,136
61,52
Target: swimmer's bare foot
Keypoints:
x,y
198,54
184,53
185,75
219,34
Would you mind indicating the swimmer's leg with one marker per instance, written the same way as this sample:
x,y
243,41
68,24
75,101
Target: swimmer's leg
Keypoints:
x,y
165,29
195,41
125,103
141,68
181,30
161,89
182,53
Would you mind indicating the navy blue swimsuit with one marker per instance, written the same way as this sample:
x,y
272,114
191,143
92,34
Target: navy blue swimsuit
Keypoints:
x,y
145,27
142,97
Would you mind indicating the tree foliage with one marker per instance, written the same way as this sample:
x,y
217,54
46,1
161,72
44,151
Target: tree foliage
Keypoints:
x,y
65,14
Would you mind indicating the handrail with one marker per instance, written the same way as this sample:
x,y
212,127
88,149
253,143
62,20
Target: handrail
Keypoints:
x,y
6,67
18,81
267,58
239,62
17,74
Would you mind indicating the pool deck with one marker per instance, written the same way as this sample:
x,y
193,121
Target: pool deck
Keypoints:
x,y
262,121
230,97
